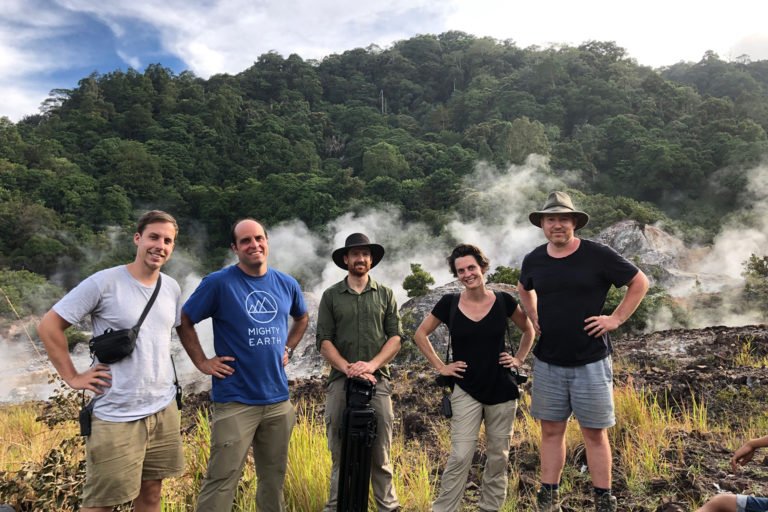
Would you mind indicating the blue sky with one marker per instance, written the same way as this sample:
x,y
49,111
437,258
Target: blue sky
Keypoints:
x,y
49,44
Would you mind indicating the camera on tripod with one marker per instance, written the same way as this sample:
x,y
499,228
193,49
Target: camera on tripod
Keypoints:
x,y
358,431
518,376
359,392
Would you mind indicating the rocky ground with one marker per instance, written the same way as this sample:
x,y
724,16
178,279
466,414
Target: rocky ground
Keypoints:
x,y
679,364
702,363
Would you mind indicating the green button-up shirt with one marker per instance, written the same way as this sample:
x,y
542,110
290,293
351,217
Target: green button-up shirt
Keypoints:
x,y
358,324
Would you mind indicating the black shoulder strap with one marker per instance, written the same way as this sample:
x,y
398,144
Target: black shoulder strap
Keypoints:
x,y
500,298
507,333
149,304
451,316
454,308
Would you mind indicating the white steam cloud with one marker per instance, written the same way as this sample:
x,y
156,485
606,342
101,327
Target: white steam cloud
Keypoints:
x,y
745,233
495,205
491,212
716,271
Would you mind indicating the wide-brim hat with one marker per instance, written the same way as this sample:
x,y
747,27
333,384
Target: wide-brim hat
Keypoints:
x,y
357,240
559,202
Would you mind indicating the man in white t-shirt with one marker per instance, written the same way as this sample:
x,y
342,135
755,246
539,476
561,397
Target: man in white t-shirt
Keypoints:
x,y
135,439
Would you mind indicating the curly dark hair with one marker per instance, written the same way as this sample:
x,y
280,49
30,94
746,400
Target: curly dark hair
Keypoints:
x,y
462,250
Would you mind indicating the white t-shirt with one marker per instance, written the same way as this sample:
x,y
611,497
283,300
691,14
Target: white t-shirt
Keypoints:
x,y
142,383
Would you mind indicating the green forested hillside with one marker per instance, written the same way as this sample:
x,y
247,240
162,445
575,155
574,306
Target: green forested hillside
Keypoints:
x,y
289,138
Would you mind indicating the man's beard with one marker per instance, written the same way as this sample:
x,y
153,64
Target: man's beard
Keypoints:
x,y
359,270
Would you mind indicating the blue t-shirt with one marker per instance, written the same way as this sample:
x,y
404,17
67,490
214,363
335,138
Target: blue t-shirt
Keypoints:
x,y
250,323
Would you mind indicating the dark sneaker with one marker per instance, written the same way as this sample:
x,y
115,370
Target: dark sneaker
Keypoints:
x,y
548,501
605,503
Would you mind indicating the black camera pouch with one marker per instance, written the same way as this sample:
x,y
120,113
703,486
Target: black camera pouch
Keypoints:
x,y
445,381
445,406
112,346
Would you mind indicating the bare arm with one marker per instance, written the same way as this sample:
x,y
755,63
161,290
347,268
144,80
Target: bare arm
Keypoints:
x,y
526,340
745,453
388,352
529,301
295,333
602,324
216,365
51,332
331,354
421,337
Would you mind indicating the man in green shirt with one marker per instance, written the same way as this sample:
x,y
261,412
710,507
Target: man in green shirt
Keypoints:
x,y
358,333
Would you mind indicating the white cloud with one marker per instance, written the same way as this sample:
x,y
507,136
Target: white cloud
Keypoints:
x,y
131,60
227,36
18,100
655,32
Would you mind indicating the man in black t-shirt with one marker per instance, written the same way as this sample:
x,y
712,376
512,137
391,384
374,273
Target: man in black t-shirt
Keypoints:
x,y
563,286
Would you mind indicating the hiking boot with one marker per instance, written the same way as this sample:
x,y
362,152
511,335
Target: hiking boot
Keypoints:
x,y
548,501
605,503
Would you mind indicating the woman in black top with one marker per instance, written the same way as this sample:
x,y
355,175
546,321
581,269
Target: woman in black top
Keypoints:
x,y
484,390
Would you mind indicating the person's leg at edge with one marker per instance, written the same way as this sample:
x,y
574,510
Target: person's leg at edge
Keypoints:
x,y
598,449
270,454
552,452
149,496
381,465
465,426
720,503
499,423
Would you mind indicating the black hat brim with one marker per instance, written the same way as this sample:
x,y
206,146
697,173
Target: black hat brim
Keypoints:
x,y
377,252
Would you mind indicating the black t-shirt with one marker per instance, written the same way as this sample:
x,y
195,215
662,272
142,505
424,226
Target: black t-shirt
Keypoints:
x,y
570,290
479,344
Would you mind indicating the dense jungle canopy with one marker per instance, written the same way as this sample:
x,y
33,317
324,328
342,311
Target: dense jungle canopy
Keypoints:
x,y
290,138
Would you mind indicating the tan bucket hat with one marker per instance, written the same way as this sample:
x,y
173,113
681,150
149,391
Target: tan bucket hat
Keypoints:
x,y
559,202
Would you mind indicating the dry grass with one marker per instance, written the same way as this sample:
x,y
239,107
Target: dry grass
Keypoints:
x,y
747,356
642,440
23,438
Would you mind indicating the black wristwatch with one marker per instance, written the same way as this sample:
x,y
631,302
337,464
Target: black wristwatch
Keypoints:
x,y
290,351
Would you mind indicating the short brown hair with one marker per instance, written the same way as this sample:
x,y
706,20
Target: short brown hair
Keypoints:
x,y
462,250
153,216
238,221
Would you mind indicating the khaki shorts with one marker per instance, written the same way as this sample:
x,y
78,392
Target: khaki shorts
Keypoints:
x,y
120,455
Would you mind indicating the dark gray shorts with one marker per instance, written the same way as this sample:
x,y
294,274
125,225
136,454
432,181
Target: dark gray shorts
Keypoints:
x,y
586,391
751,503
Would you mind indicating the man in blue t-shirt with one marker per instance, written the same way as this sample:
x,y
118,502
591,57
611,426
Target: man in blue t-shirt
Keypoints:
x,y
249,304
563,286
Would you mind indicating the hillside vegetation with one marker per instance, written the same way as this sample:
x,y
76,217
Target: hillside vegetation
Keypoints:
x,y
290,138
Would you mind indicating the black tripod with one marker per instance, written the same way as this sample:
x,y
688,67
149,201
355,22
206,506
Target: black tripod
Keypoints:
x,y
358,432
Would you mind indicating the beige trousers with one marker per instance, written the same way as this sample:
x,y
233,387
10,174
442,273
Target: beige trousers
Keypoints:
x,y
468,413
235,428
